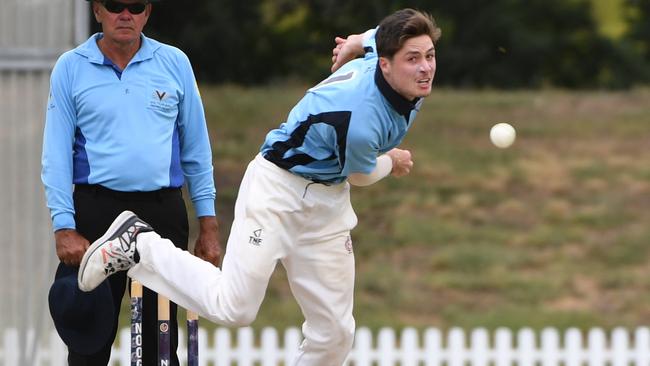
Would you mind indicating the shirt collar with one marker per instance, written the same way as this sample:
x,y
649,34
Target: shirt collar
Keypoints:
x,y
402,105
90,49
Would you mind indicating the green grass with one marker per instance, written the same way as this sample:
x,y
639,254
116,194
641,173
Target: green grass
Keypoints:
x,y
551,232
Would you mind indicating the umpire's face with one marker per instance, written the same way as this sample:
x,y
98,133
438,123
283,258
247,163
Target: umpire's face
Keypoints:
x,y
410,71
122,20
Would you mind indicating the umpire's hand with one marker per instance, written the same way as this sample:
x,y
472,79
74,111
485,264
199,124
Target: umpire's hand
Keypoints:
x,y
207,245
70,246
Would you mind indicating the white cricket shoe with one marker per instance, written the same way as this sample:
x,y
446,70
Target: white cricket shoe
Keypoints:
x,y
112,252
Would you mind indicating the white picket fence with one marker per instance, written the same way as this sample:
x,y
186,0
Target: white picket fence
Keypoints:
x,y
431,347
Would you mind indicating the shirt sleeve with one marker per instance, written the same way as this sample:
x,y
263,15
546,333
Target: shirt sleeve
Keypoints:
x,y
195,150
58,140
382,169
363,145
370,44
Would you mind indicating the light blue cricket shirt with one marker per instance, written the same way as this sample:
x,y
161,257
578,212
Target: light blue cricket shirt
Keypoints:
x,y
143,131
342,124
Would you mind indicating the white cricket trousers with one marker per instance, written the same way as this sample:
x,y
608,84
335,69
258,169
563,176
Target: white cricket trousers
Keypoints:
x,y
278,217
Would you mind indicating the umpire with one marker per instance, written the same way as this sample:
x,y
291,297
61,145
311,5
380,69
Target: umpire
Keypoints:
x,y
125,126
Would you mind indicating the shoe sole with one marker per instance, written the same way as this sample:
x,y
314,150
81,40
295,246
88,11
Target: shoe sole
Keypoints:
x,y
118,223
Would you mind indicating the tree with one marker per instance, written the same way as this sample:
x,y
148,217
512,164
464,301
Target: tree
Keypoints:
x,y
638,13
485,43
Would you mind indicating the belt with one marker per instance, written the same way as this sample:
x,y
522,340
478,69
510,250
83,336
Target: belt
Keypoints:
x,y
157,195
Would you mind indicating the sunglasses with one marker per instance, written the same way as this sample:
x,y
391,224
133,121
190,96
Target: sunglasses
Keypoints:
x,y
117,7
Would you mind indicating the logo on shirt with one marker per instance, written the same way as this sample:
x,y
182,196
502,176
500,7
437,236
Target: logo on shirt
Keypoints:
x,y
348,245
256,238
162,100
161,95
50,101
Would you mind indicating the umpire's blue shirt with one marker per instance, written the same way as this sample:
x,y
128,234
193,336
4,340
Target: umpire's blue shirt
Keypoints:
x,y
138,129
342,124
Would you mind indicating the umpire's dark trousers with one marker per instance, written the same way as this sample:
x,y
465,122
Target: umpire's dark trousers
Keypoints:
x,y
95,209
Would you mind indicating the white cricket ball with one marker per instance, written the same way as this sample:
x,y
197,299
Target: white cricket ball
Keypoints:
x,y
502,135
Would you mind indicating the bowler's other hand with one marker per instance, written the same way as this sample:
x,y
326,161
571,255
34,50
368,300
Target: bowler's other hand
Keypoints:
x,y
207,245
402,162
346,49
70,246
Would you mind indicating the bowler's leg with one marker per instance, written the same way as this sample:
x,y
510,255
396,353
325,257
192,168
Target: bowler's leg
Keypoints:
x,y
231,297
321,277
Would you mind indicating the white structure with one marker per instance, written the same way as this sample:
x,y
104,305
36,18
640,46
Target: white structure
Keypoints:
x,y
431,347
33,33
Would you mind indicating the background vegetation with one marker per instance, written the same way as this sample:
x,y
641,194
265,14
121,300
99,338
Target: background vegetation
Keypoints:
x,y
485,43
552,232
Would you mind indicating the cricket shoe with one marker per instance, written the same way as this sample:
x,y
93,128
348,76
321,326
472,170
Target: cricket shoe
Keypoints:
x,y
112,252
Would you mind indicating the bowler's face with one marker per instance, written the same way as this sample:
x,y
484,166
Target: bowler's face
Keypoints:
x,y
123,27
410,72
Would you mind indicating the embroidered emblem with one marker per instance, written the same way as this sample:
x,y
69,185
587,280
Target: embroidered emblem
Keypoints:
x,y
256,238
348,245
161,95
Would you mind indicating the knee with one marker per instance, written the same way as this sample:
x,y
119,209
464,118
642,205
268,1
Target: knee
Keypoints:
x,y
339,337
346,335
241,318
235,317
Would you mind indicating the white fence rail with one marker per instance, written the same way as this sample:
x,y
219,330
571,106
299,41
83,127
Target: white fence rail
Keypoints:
x,y
479,347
